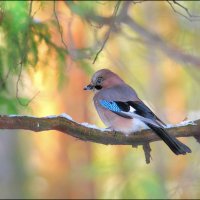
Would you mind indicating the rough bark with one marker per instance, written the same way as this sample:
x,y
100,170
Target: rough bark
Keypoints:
x,y
70,127
65,125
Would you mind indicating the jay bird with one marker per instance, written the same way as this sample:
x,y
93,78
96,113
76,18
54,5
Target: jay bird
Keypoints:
x,y
121,110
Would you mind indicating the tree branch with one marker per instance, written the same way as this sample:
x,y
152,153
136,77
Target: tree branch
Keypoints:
x,y
66,125
185,9
190,17
154,39
175,53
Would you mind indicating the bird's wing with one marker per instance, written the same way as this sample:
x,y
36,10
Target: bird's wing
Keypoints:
x,y
143,110
137,109
132,109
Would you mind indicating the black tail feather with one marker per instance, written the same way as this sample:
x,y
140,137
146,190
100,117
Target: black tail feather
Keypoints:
x,y
175,145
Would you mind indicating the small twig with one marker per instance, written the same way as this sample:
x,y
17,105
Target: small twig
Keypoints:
x,y
23,58
147,152
17,84
59,25
176,11
186,10
17,88
39,7
21,66
107,35
30,7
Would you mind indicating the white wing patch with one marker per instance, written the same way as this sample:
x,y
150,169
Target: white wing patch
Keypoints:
x,y
132,109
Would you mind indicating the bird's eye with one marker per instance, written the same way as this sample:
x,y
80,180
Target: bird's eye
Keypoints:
x,y
98,87
99,81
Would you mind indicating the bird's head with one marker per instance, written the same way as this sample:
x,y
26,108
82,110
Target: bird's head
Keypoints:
x,y
103,79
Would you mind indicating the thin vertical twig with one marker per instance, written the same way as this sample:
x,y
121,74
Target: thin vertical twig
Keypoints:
x,y
107,35
22,61
59,25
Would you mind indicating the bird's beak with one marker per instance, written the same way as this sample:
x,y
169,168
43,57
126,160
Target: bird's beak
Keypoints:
x,y
89,87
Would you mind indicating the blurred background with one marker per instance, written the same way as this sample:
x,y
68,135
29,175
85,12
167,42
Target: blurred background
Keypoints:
x,y
48,53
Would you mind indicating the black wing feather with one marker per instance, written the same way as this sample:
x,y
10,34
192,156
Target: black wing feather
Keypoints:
x,y
144,111
124,106
141,109
175,145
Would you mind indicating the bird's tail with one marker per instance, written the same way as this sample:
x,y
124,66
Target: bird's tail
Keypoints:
x,y
175,145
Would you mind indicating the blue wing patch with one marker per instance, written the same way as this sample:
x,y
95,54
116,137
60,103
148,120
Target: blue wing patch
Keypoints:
x,y
110,105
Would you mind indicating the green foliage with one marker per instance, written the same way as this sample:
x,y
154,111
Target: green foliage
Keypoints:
x,y
14,28
13,31
82,8
8,104
20,37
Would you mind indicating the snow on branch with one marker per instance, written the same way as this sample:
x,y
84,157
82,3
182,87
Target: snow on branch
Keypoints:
x,y
87,132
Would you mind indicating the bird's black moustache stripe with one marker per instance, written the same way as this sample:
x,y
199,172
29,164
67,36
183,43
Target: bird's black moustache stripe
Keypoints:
x,y
98,87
